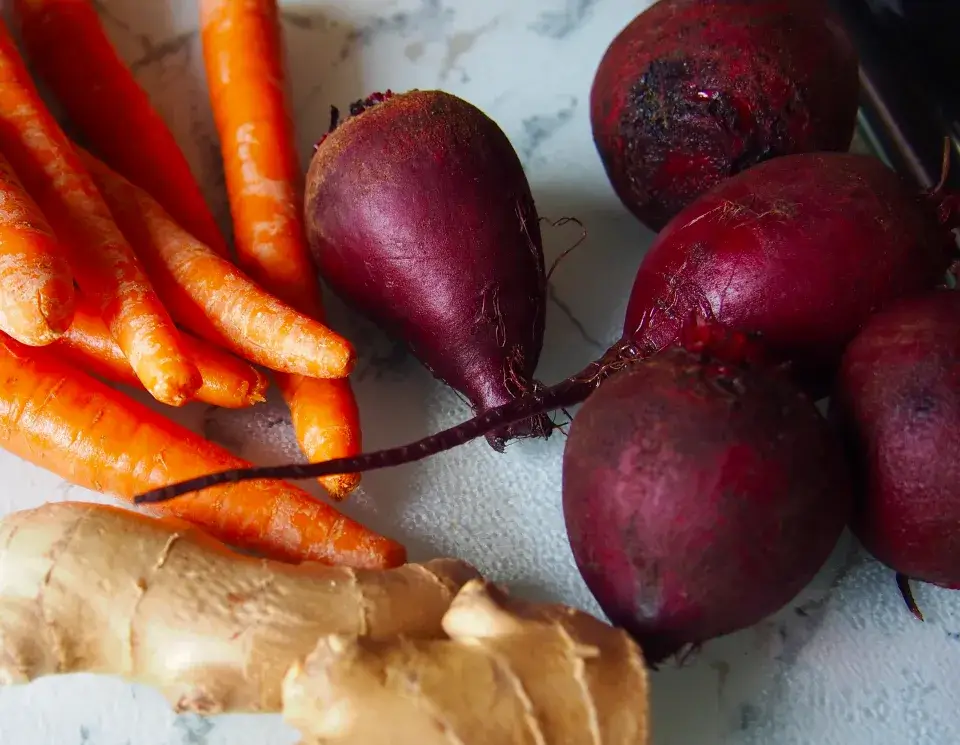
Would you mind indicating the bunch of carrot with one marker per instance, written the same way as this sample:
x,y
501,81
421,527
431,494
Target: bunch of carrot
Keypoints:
x,y
112,265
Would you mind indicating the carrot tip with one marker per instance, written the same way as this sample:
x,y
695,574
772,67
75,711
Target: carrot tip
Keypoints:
x,y
340,486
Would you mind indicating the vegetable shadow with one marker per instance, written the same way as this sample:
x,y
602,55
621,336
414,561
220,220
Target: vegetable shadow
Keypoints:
x,y
742,681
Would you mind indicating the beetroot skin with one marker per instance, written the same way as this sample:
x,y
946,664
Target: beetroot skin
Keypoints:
x,y
897,400
419,215
694,91
800,250
699,498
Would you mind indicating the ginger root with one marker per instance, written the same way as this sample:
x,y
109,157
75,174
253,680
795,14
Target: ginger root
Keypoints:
x,y
91,588
511,673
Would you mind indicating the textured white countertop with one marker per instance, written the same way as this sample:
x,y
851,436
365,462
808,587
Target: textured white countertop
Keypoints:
x,y
845,664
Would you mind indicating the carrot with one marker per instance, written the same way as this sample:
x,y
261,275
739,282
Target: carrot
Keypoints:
x,y
211,297
242,50
36,284
242,47
89,434
71,52
228,382
103,263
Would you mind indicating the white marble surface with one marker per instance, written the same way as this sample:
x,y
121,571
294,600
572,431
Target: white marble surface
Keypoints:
x,y
844,664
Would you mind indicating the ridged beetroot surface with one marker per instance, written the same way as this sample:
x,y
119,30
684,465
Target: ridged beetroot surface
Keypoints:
x,y
694,91
898,402
699,497
419,214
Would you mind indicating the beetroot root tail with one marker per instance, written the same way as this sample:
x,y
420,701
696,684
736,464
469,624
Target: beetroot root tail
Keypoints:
x,y
532,405
903,584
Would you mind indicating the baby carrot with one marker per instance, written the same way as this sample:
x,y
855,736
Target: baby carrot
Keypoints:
x,y
211,297
36,284
89,434
228,382
103,263
71,52
264,184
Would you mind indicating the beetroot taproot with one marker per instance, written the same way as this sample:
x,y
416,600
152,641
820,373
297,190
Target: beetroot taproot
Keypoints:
x,y
420,216
694,91
897,402
699,497
801,250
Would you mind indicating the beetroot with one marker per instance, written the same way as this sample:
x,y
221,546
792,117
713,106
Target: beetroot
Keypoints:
x,y
801,250
699,497
419,215
897,400
694,91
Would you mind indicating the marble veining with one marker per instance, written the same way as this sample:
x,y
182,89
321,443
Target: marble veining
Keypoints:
x,y
844,664
558,24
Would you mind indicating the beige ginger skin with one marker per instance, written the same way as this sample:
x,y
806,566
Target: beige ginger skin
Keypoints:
x,y
425,654
90,588
510,673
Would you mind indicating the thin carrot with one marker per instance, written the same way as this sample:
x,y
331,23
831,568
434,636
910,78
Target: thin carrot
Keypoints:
x,y
103,263
71,52
242,47
211,297
89,434
36,284
228,382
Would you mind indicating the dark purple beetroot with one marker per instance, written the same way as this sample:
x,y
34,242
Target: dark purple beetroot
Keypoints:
x,y
897,400
419,215
692,92
800,250
699,497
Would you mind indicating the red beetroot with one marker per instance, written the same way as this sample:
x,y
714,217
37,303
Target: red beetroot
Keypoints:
x,y
699,497
694,91
800,250
420,216
897,400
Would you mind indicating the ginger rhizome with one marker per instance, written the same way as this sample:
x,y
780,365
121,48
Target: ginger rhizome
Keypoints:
x,y
91,588
510,672
424,654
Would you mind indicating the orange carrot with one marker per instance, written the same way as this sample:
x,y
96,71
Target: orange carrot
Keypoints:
x,y
36,284
103,263
242,46
73,55
89,434
228,382
243,53
211,297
